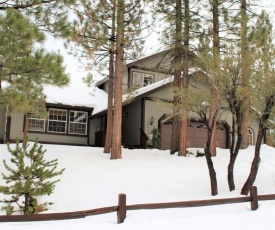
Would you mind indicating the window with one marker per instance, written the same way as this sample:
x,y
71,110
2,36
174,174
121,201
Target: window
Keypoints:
x,y
78,122
62,121
250,136
142,79
57,121
36,123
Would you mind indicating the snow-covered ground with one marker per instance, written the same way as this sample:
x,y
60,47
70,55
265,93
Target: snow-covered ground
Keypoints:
x,y
92,180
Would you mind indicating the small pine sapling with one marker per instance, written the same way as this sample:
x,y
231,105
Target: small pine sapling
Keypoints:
x,y
30,178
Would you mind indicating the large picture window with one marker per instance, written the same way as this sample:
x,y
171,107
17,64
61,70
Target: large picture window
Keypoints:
x,y
60,121
57,121
36,123
78,122
142,79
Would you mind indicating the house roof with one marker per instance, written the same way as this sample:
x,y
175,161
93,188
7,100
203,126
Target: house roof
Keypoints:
x,y
77,94
149,56
144,90
133,62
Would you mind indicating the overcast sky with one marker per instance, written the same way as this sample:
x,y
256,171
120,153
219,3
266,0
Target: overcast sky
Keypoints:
x,y
77,73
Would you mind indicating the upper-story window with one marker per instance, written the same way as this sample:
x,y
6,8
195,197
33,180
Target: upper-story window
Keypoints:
x,y
141,79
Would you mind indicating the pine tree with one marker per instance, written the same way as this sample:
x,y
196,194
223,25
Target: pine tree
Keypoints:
x,y
200,102
96,32
29,178
48,15
116,152
25,67
245,72
180,26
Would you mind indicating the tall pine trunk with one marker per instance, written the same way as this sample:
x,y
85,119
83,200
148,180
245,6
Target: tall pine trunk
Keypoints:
x,y
177,80
214,89
108,139
117,119
244,74
184,111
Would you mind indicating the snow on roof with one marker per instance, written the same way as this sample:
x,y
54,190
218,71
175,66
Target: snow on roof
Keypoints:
x,y
153,86
77,94
145,89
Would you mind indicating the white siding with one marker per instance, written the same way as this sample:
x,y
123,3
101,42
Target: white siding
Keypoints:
x,y
17,121
156,110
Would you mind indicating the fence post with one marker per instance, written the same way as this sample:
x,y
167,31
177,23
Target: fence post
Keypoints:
x,y
254,198
121,212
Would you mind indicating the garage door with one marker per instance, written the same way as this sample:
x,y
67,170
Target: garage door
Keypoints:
x,y
196,135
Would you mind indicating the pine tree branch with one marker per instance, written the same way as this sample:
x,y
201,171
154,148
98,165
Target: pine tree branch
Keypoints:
x,y
23,6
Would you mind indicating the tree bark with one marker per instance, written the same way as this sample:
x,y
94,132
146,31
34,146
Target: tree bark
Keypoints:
x,y
234,150
117,119
26,204
108,139
244,74
26,127
184,120
214,89
212,172
256,161
177,79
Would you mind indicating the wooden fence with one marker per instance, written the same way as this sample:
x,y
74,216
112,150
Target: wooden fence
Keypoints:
x,y
122,208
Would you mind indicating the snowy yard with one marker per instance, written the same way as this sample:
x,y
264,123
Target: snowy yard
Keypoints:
x,y
91,180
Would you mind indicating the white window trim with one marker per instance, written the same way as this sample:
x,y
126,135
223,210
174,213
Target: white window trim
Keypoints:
x,y
85,114
37,119
57,120
142,77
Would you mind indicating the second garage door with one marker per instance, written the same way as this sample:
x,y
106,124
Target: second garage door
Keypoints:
x,y
196,135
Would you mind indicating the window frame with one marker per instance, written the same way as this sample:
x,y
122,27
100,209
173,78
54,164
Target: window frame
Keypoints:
x,y
70,122
32,117
56,120
67,126
250,136
143,77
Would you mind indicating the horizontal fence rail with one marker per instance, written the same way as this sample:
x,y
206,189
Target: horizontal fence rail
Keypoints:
x,y
122,208
58,216
185,204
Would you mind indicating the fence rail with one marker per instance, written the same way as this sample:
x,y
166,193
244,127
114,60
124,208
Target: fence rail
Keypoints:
x,y
122,208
